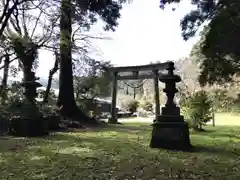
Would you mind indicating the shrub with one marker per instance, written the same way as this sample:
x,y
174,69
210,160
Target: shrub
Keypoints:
x,y
91,114
50,115
86,105
53,122
143,113
235,108
4,125
184,112
25,119
146,105
131,105
197,110
28,127
222,101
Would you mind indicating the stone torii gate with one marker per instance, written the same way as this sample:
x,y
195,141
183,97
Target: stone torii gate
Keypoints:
x,y
169,128
155,68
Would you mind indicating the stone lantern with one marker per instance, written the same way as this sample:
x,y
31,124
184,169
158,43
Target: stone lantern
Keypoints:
x,y
30,121
170,130
170,79
30,108
30,87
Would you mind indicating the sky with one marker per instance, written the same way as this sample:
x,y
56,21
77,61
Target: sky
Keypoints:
x,y
145,34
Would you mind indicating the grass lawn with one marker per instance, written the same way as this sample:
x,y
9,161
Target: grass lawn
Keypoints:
x,y
120,153
221,119
227,119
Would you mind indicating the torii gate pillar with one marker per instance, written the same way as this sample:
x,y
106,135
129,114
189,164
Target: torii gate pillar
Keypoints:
x,y
113,118
156,96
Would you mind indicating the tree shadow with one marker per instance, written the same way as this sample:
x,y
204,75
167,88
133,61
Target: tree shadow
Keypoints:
x,y
225,135
126,128
216,133
8,144
111,127
91,156
230,153
106,142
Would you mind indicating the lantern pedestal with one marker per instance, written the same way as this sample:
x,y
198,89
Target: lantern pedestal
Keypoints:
x,y
170,132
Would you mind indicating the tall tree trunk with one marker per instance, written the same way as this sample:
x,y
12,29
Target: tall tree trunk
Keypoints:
x,y
66,100
5,78
66,92
5,71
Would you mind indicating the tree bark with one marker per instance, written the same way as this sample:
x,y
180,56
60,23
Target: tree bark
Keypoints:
x,y
66,100
5,78
66,92
5,71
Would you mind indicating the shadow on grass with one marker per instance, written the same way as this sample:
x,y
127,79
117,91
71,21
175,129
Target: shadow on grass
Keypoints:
x,y
105,142
226,132
225,135
113,152
125,128
216,150
68,156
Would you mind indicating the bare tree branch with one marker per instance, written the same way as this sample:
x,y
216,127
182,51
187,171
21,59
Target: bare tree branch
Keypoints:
x,y
50,77
36,23
7,12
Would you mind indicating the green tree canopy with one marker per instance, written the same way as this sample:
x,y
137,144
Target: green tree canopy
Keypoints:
x,y
219,40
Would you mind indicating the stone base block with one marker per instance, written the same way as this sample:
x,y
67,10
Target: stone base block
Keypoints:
x,y
171,135
170,118
173,110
